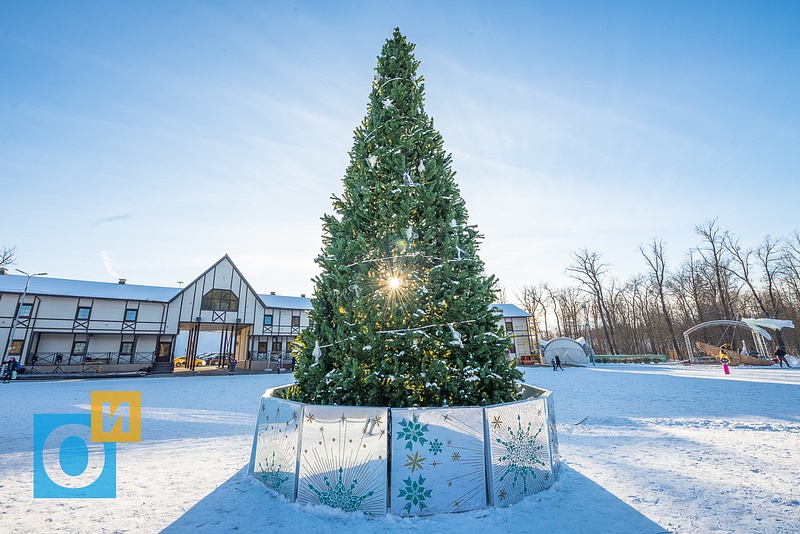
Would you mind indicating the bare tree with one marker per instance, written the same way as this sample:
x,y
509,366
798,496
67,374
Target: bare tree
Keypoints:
x,y
532,300
8,255
555,309
589,271
713,252
741,259
768,255
654,255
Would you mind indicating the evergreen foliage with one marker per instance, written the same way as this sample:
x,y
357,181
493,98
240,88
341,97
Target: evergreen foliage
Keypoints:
x,y
401,310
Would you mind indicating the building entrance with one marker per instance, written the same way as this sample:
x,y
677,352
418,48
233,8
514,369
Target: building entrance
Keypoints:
x,y
211,345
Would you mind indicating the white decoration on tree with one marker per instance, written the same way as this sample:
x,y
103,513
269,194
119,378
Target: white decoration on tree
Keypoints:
x,y
388,103
372,160
456,337
410,232
460,251
317,352
421,167
453,224
407,178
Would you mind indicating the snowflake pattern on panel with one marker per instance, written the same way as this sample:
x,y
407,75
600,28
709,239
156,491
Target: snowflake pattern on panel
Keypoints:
x,y
413,432
440,458
519,450
414,493
522,454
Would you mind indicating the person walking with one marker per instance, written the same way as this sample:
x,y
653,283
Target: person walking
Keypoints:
x,y
557,363
781,355
232,365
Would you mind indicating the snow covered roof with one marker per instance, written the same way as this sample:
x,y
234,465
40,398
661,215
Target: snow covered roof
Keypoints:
x,y
284,302
510,310
60,287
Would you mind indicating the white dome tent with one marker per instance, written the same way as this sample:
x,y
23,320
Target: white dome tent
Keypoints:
x,y
569,351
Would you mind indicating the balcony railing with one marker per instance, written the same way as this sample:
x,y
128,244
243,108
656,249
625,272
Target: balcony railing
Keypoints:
x,y
91,358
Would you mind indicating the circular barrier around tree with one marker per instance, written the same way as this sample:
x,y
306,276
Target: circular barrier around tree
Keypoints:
x,y
406,461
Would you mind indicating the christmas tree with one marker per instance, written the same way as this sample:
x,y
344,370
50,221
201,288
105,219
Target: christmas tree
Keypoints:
x,y
402,308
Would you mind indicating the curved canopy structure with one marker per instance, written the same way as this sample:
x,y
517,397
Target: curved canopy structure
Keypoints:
x,y
757,328
569,351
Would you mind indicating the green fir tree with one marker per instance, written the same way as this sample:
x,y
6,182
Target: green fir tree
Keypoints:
x,y
402,308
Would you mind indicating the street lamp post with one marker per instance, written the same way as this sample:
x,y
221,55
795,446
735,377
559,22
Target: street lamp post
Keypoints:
x,y
588,332
16,315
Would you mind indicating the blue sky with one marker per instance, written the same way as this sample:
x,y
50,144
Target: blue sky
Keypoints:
x,y
145,140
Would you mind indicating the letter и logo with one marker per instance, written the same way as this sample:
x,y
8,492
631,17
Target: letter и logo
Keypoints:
x,y
108,411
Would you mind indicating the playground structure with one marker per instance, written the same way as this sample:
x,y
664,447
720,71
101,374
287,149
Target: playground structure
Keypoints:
x,y
758,353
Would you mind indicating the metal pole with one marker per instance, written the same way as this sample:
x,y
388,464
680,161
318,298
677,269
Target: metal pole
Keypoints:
x,y
16,315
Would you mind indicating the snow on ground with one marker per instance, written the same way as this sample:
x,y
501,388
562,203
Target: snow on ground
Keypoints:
x,y
645,449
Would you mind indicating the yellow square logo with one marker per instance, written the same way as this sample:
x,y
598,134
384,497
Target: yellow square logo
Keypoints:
x,y
117,416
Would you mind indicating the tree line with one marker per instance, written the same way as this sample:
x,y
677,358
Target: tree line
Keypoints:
x,y
721,278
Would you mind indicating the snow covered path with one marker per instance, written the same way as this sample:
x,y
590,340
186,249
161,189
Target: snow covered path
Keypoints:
x,y
646,449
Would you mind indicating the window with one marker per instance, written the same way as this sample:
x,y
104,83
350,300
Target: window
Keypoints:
x,y
16,348
164,348
83,312
126,348
512,349
277,345
296,320
509,327
267,320
130,315
25,310
262,346
79,348
220,300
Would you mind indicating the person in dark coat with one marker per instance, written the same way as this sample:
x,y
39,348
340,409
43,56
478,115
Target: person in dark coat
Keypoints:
x,y
232,365
781,354
12,366
557,363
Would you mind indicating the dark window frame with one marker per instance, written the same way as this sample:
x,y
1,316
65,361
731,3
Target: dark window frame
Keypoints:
x,y
88,313
133,311
268,320
122,350
16,343
223,300
24,311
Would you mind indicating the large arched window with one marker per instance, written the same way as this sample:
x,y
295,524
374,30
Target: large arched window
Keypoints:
x,y
220,300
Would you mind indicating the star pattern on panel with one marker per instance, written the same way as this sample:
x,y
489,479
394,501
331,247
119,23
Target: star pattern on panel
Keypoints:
x,y
414,462
497,422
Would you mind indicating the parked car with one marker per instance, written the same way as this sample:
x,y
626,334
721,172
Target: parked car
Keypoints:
x,y
181,362
210,358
